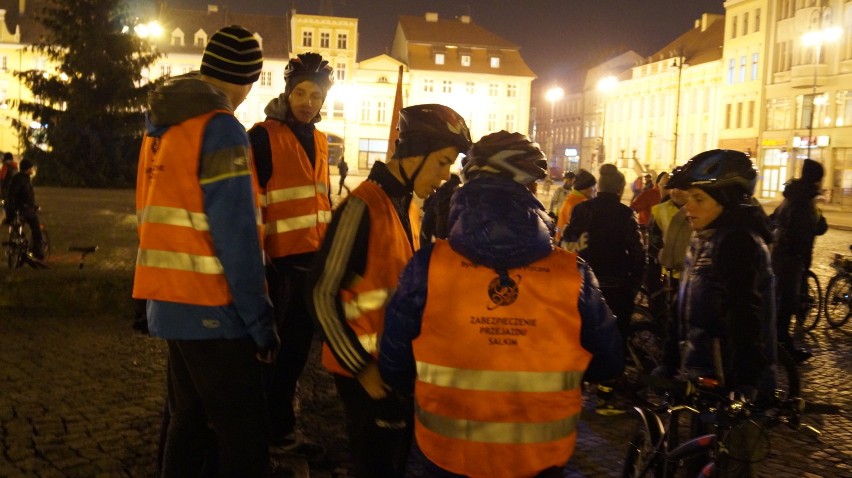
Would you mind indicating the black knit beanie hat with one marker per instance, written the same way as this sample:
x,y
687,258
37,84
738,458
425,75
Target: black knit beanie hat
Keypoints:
x,y
812,171
233,55
584,180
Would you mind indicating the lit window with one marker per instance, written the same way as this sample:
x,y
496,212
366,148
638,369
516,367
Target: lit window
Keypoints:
x,y
428,85
492,90
340,71
469,87
512,91
342,41
308,39
465,60
447,86
265,78
495,62
325,39
439,58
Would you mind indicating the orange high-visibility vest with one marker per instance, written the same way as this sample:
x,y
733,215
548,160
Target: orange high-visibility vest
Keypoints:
x,y
499,369
177,261
364,299
564,216
297,208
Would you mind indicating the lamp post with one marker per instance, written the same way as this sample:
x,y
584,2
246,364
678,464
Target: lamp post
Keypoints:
x,y
679,64
816,38
553,95
604,86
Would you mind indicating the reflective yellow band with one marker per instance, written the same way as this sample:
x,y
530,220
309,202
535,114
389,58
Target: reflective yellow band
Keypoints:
x,y
299,222
494,381
298,192
179,261
365,302
370,342
173,216
498,432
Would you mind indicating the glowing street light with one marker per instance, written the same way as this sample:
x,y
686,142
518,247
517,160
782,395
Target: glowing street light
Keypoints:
x,y
553,95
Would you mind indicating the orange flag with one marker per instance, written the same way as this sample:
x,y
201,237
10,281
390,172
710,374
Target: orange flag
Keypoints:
x,y
397,105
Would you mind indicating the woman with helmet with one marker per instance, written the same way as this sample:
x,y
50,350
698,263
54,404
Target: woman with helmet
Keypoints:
x,y
291,156
373,233
496,321
726,298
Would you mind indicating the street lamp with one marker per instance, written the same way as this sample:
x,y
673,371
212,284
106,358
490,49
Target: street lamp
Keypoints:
x,y
678,63
553,95
815,39
605,85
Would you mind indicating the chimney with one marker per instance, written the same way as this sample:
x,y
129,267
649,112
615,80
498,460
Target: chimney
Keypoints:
x,y
432,17
212,9
464,18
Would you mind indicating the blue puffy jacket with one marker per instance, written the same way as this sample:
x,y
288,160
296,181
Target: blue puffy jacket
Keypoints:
x,y
497,223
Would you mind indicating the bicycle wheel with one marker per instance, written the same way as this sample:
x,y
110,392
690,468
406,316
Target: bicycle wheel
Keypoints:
x,y
788,374
16,248
837,300
45,244
639,461
810,308
644,353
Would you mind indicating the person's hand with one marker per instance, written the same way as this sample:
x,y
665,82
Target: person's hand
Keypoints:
x,y
268,354
371,380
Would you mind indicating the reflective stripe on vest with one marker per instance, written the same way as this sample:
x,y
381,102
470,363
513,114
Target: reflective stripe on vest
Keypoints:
x,y
296,205
507,433
365,298
499,367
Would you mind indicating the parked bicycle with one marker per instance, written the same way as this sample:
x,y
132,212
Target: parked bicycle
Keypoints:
x,y
838,294
656,449
18,247
810,309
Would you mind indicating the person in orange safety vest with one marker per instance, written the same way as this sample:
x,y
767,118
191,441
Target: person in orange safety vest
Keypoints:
x,y
372,235
291,159
495,329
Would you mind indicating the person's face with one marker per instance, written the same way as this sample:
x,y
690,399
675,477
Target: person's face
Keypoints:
x,y
305,101
239,93
701,209
435,170
679,196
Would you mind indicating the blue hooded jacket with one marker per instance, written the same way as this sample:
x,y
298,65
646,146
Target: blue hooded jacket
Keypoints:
x,y
497,223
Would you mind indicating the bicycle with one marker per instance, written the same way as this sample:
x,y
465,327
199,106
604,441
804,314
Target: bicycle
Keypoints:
x,y
656,449
838,293
810,309
19,249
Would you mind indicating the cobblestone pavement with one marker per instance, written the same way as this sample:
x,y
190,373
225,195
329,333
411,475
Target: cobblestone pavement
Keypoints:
x,y
81,396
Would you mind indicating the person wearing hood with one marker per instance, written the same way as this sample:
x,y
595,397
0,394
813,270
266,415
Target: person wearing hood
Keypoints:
x,y
797,221
200,262
604,232
372,235
726,302
495,326
291,159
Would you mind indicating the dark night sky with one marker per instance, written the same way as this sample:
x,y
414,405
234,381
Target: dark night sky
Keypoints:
x,y
556,36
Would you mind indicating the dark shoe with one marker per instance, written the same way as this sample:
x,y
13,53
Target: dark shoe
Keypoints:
x,y
299,447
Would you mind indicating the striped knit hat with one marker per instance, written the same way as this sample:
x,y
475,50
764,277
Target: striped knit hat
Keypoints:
x,y
233,55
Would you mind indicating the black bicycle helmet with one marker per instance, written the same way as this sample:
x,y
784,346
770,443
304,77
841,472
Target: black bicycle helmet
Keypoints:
x,y
723,173
308,66
510,155
427,128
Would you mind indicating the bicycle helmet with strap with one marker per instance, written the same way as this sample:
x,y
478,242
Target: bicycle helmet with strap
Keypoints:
x,y
308,66
510,155
427,128
727,175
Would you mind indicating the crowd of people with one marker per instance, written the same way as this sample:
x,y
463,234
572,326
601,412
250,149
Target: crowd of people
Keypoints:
x,y
459,336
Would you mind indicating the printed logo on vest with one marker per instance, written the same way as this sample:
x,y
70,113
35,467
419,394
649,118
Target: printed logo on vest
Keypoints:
x,y
503,293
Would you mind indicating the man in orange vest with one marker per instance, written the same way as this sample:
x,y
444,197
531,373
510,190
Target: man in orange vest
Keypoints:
x,y
291,159
371,237
200,262
582,190
495,328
